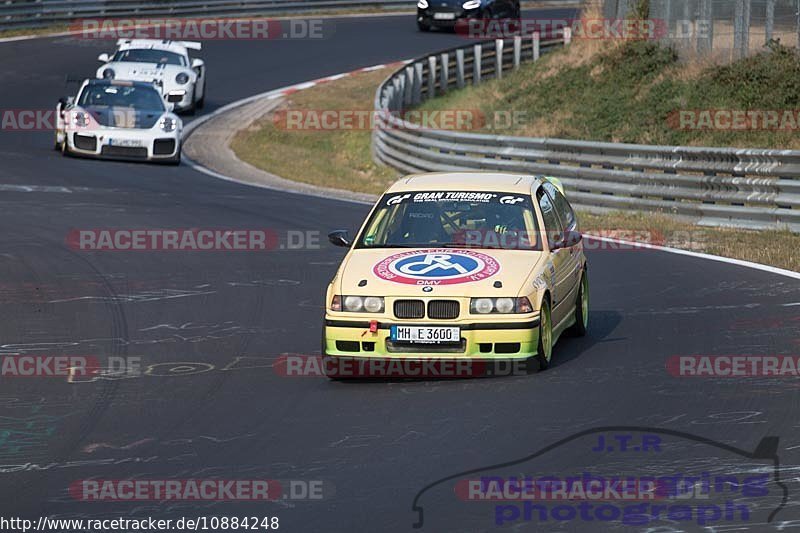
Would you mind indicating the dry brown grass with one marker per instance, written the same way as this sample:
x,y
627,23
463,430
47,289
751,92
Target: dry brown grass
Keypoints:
x,y
340,158
775,248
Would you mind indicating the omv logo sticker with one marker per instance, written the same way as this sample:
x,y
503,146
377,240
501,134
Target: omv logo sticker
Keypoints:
x,y
437,267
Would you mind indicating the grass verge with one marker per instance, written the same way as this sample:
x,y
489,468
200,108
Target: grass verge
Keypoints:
x,y
339,158
633,92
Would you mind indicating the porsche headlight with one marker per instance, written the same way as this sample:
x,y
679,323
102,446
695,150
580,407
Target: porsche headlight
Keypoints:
x,y
422,4
167,124
182,78
471,4
358,304
505,306
108,74
80,119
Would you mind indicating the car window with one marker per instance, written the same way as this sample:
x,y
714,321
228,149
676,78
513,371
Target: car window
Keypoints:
x,y
133,96
147,55
551,222
466,219
564,210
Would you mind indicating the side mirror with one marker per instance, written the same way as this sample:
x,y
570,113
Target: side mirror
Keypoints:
x,y
197,66
339,237
103,58
568,240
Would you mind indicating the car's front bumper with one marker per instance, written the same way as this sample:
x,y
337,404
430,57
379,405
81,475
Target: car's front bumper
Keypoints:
x,y
503,339
117,144
431,16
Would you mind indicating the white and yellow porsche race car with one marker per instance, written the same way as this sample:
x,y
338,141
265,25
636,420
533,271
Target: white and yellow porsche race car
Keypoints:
x,y
459,266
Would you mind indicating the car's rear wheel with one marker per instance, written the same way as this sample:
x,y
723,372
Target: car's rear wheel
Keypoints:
x,y
544,351
581,308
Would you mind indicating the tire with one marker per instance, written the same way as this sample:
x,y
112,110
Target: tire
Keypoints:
x,y
581,308
65,148
176,159
200,104
423,27
544,349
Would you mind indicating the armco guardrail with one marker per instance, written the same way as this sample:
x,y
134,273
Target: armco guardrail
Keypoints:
x,y
720,186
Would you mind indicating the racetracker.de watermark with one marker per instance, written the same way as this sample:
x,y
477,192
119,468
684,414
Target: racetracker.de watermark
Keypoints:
x,y
295,366
735,120
206,29
134,490
587,29
733,366
413,119
192,240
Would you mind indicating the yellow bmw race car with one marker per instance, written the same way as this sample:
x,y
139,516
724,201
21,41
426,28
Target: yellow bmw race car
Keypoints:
x,y
475,267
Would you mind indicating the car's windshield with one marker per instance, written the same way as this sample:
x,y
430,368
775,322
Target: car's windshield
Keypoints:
x,y
137,97
464,219
148,55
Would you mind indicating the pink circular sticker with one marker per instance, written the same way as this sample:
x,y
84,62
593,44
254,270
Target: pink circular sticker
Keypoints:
x,y
441,266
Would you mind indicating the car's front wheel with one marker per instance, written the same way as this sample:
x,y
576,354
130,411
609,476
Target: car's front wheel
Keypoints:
x,y
544,352
176,159
423,27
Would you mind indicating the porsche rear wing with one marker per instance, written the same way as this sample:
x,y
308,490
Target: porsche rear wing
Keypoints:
x,y
191,45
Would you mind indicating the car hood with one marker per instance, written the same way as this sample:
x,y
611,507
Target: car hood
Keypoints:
x,y
449,272
124,117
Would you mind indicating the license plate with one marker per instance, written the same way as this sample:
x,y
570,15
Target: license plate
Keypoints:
x,y
426,334
444,16
125,142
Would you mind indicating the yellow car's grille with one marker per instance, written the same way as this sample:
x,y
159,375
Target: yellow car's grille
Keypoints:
x,y
443,309
409,308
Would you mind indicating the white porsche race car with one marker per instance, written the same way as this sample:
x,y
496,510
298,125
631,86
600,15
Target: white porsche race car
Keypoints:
x,y
166,63
120,120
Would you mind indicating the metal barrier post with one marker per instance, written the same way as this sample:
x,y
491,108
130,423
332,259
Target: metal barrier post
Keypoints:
x,y
460,68
477,51
498,58
417,91
444,74
431,77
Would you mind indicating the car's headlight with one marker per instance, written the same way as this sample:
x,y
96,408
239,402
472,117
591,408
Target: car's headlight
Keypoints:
x,y
358,304
422,4
108,74
167,124
471,4
182,78
80,119
506,306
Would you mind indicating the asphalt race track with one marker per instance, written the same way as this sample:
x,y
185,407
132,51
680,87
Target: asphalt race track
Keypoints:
x,y
210,324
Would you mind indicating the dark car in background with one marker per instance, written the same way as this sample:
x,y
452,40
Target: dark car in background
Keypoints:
x,y
448,14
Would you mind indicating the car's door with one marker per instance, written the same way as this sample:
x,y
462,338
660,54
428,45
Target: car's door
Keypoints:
x,y
569,222
558,267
